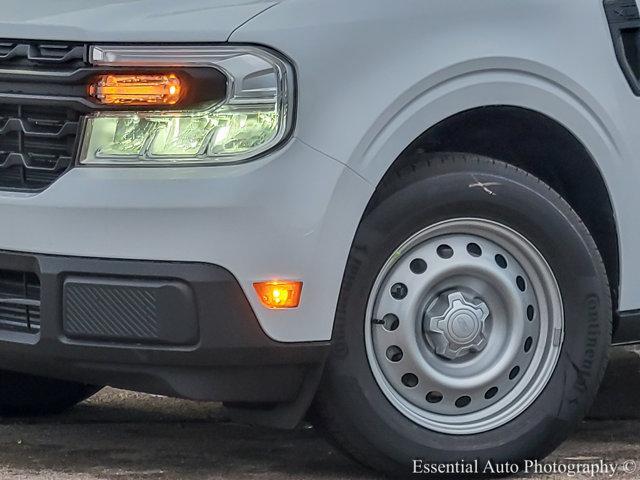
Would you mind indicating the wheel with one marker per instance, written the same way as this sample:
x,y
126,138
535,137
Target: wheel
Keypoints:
x,y
22,394
473,322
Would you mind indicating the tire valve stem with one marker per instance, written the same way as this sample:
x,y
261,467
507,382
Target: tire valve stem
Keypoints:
x,y
376,321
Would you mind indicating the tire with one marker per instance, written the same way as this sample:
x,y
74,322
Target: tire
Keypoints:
x,y
364,405
26,395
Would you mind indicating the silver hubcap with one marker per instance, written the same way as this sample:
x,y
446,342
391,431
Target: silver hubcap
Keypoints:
x,y
460,329
464,326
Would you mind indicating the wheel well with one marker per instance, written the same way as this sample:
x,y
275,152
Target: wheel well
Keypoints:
x,y
543,147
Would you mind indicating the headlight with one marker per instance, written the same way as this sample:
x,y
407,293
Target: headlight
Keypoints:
x,y
254,115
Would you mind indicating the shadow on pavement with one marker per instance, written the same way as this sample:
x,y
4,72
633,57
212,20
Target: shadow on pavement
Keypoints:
x,y
119,434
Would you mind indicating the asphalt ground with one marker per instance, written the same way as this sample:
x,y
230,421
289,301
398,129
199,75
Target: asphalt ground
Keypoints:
x,y
124,435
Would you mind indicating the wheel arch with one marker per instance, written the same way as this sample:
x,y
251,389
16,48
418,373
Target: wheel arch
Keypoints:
x,y
540,145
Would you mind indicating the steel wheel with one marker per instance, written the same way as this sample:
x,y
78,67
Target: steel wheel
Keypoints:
x,y
485,309
464,326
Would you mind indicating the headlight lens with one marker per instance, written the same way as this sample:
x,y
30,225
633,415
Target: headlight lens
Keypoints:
x,y
254,117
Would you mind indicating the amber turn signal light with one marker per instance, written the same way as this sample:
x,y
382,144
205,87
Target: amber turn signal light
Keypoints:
x,y
279,294
133,89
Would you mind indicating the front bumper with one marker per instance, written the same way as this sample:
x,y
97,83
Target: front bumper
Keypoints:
x,y
179,329
289,215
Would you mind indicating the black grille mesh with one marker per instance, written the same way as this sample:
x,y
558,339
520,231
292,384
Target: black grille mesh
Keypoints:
x,y
37,140
19,301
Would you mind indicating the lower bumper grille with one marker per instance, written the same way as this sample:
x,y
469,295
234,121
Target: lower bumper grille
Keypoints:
x,y
19,301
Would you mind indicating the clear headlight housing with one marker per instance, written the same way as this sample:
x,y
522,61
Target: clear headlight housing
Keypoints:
x,y
254,117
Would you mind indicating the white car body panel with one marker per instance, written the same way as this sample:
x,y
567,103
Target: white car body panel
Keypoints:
x,y
401,67
127,20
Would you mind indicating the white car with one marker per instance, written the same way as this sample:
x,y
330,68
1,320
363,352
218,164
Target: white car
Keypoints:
x,y
414,221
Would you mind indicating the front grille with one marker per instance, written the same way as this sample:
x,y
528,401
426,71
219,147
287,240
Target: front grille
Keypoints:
x,y
33,56
37,134
37,145
19,301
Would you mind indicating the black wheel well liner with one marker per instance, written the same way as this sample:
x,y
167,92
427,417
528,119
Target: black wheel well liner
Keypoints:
x,y
541,146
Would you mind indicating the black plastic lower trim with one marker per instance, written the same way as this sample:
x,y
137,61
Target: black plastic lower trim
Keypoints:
x,y
627,330
231,359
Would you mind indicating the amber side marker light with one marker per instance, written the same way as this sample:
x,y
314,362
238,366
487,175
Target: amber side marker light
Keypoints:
x,y
133,89
279,294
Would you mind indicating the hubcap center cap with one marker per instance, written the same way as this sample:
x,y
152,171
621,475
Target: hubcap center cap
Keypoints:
x,y
456,326
463,326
